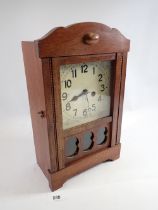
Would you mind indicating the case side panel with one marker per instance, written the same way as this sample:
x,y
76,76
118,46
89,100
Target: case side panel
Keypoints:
x,y
117,83
122,89
34,79
47,70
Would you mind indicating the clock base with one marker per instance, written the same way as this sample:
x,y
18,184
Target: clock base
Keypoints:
x,y
58,178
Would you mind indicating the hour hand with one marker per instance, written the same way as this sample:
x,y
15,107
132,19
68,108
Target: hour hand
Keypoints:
x,y
74,98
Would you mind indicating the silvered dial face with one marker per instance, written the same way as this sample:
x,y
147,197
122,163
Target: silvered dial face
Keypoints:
x,y
85,92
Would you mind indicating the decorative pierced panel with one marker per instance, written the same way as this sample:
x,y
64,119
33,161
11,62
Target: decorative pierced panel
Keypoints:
x,y
87,142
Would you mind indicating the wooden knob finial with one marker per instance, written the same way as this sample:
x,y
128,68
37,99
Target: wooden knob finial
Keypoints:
x,y
91,38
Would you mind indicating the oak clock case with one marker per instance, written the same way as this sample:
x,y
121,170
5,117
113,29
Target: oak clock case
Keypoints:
x,y
75,79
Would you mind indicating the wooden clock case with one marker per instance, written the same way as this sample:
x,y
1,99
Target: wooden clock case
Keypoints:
x,y
81,42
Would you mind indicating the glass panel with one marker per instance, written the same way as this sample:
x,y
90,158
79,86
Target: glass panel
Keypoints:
x,y
87,141
71,147
101,136
85,92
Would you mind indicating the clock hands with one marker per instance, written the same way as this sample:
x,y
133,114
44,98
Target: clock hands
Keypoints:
x,y
87,100
84,92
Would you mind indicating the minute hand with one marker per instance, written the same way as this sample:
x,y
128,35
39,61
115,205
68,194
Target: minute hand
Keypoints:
x,y
74,98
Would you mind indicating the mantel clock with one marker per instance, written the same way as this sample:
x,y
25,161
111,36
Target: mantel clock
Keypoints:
x,y
75,79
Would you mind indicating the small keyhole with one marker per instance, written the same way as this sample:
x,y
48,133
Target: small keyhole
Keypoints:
x,y
42,114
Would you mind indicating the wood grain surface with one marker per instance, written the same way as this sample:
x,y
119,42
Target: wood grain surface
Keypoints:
x,y
81,42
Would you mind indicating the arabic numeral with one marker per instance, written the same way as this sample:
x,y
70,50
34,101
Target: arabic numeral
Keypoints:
x,y
67,83
99,98
84,68
103,87
85,112
74,73
64,95
68,106
100,77
93,107
75,110
93,70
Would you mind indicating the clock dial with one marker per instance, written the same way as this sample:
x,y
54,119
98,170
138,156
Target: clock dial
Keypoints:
x,y
85,92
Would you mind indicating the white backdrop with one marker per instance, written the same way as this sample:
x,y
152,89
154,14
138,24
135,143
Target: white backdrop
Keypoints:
x,y
128,183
